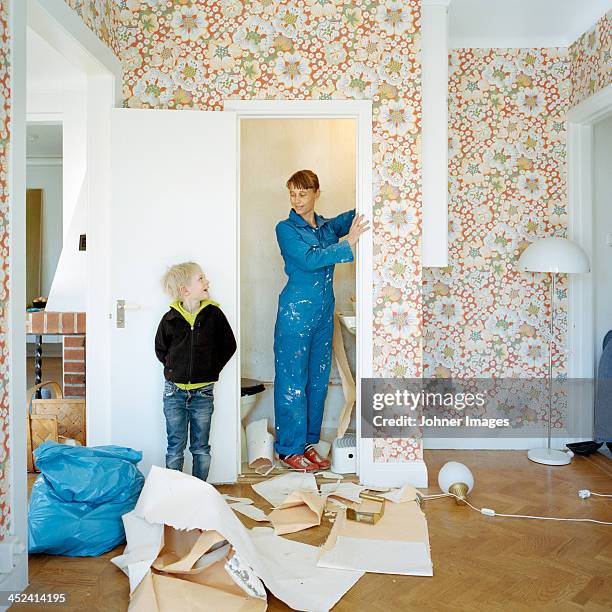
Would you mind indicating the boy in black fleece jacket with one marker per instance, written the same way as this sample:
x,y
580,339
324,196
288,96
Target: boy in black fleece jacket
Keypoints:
x,y
194,341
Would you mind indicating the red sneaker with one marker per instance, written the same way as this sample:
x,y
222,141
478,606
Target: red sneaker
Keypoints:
x,y
299,463
314,457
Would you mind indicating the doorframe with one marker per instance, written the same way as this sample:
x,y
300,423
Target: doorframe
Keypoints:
x,y
361,112
14,546
580,323
64,30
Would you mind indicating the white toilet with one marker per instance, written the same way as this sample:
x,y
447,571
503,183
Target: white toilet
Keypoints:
x,y
249,394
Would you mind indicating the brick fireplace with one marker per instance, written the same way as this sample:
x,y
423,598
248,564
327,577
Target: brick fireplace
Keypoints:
x,y
71,326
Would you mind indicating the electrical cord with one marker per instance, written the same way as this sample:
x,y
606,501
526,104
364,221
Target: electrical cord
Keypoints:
x,y
584,493
434,496
491,512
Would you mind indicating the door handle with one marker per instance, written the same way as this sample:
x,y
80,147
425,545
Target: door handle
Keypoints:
x,y
121,308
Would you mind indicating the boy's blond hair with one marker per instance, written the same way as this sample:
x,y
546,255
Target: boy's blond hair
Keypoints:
x,y
178,276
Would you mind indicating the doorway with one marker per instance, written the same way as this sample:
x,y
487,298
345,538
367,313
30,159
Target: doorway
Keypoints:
x,y
582,333
43,206
44,234
328,147
587,316
602,231
360,113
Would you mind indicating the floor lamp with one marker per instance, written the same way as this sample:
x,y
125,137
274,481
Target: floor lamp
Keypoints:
x,y
553,256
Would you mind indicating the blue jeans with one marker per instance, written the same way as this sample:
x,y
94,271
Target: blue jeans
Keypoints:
x,y
188,409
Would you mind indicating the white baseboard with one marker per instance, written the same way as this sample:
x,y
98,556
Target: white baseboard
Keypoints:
x,y
17,580
395,474
495,443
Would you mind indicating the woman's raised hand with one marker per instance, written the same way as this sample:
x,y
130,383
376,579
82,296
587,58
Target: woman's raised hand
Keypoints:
x,y
359,226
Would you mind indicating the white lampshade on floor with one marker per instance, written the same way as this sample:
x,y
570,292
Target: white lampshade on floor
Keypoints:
x,y
457,479
556,255
453,472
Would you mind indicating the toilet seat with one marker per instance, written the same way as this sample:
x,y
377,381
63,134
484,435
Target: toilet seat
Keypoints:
x,y
250,386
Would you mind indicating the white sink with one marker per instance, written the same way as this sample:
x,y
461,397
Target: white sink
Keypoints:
x,y
349,321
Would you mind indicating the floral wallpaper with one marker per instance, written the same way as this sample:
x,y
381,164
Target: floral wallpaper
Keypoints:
x,y
195,53
507,166
591,60
507,108
5,95
507,186
99,16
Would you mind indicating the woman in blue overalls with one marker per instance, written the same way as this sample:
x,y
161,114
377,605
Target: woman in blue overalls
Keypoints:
x,y
304,327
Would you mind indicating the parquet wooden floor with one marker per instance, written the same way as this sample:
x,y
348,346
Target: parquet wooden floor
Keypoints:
x,y
480,563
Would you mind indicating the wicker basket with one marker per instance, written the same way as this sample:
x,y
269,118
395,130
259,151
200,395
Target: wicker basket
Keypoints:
x,y
69,412
40,429
44,429
54,419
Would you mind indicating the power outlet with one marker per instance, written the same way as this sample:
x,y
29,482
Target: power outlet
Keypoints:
x,y
609,238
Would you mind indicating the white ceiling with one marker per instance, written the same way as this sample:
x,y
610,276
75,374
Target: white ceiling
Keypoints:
x,y
47,70
44,140
521,23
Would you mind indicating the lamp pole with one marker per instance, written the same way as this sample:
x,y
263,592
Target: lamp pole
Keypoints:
x,y
552,255
547,455
550,353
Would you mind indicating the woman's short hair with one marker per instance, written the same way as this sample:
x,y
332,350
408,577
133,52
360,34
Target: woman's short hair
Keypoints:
x,y
178,276
303,179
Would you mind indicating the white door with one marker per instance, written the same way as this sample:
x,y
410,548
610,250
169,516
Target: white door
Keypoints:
x,y
173,200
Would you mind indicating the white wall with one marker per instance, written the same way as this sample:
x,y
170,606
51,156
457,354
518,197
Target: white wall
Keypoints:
x,y
49,179
69,288
327,147
602,226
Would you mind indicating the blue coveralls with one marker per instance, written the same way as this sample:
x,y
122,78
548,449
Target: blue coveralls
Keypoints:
x,y
305,325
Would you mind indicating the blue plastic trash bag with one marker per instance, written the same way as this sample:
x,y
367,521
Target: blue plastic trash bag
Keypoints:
x,y
78,500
